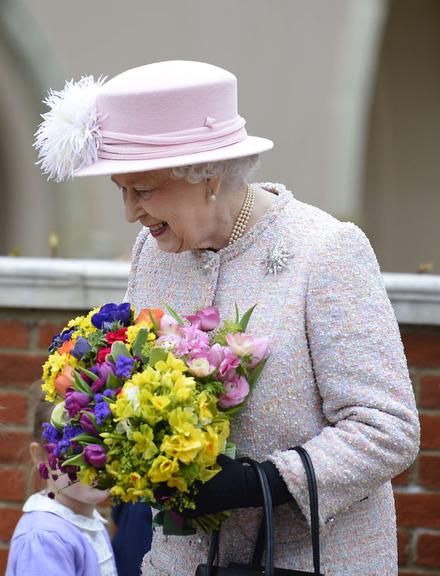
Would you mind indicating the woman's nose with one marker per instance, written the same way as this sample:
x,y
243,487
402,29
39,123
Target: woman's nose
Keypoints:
x,y
133,209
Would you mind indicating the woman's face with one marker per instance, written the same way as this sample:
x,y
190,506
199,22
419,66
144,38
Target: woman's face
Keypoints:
x,y
177,213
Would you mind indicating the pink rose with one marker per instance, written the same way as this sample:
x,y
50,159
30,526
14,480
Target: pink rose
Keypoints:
x,y
236,391
207,319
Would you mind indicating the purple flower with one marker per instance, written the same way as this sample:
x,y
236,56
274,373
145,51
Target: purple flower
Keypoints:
x,y
50,433
51,495
95,455
87,423
43,471
110,313
53,462
124,366
102,371
102,411
81,347
75,401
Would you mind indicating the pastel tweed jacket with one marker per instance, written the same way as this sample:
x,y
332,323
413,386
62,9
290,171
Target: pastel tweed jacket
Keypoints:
x,y
337,383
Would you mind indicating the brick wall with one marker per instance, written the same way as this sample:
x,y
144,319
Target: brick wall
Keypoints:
x,y
25,335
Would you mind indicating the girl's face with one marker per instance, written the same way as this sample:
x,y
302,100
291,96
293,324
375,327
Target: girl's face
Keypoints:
x,y
77,492
177,213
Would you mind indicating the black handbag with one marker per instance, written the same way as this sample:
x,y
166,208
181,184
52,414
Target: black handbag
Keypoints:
x,y
265,539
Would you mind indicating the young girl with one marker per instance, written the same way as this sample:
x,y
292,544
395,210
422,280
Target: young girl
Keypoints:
x,y
63,535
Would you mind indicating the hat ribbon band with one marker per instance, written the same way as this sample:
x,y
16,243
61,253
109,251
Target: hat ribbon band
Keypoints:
x,y
119,146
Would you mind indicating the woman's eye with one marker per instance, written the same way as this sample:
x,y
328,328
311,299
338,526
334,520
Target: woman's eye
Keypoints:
x,y
144,194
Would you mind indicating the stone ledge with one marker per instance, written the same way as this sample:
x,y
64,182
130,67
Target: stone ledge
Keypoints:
x,y
46,283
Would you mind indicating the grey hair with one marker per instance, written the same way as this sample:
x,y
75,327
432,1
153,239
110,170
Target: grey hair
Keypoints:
x,y
232,171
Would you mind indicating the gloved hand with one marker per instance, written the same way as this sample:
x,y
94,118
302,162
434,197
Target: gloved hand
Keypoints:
x,y
237,486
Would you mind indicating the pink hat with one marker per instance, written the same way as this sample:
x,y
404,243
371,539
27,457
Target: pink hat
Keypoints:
x,y
160,115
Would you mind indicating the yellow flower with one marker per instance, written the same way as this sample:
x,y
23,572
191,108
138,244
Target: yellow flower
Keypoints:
x,y
184,446
144,443
162,469
207,407
160,403
183,388
87,475
170,364
211,449
179,418
132,331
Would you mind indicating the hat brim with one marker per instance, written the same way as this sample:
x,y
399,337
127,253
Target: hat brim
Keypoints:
x,y
250,145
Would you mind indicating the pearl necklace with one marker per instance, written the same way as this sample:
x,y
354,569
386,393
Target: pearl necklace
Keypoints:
x,y
244,216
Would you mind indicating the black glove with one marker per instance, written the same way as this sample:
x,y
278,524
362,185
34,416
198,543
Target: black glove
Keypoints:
x,y
237,486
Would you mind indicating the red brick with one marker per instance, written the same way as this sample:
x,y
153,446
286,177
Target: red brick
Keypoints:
x,y
429,471
429,431
411,573
20,368
13,483
429,392
402,547
14,447
46,332
403,478
418,510
422,350
13,408
428,550
10,517
13,334
3,560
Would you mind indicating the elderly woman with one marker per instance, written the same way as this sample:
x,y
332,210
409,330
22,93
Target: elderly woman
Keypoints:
x,y
336,382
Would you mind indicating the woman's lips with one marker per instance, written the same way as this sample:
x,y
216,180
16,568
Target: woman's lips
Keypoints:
x,y
158,230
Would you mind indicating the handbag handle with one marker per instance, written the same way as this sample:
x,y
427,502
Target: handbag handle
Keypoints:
x,y
267,524
313,498
267,508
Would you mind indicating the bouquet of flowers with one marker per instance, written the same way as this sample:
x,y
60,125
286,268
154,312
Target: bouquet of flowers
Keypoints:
x,y
143,403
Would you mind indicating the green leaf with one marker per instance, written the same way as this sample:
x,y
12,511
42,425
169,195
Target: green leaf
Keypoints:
x,y
113,381
139,343
87,439
119,349
256,372
230,450
76,460
81,385
237,314
170,527
246,317
174,314
90,374
156,355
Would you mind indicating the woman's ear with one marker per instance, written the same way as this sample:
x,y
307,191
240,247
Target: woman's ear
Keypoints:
x,y
37,453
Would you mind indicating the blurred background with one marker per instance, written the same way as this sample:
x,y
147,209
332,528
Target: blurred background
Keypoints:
x,y
349,90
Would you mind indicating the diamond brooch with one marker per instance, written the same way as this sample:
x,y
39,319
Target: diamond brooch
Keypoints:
x,y
276,259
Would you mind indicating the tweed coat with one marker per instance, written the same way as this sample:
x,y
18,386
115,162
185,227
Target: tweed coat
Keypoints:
x,y
336,382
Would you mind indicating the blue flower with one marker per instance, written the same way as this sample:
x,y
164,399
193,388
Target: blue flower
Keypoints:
x,y
102,411
81,347
124,366
71,431
59,339
50,433
110,313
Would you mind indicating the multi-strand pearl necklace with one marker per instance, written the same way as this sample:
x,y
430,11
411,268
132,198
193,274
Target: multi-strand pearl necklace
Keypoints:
x,y
244,216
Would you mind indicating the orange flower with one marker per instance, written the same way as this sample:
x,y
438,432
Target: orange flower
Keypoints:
x,y
147,314
66,347
64,380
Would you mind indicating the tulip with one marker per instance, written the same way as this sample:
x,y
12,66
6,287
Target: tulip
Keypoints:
x,y
207,319
95,455
64,380
76,401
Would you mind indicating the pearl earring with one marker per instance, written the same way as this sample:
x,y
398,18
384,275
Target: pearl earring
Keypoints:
x,y
210,192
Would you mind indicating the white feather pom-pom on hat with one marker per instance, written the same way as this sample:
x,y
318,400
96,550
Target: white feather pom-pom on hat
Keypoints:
x,y
69,136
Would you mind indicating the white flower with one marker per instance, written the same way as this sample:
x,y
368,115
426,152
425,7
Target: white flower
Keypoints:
x,y
69,136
